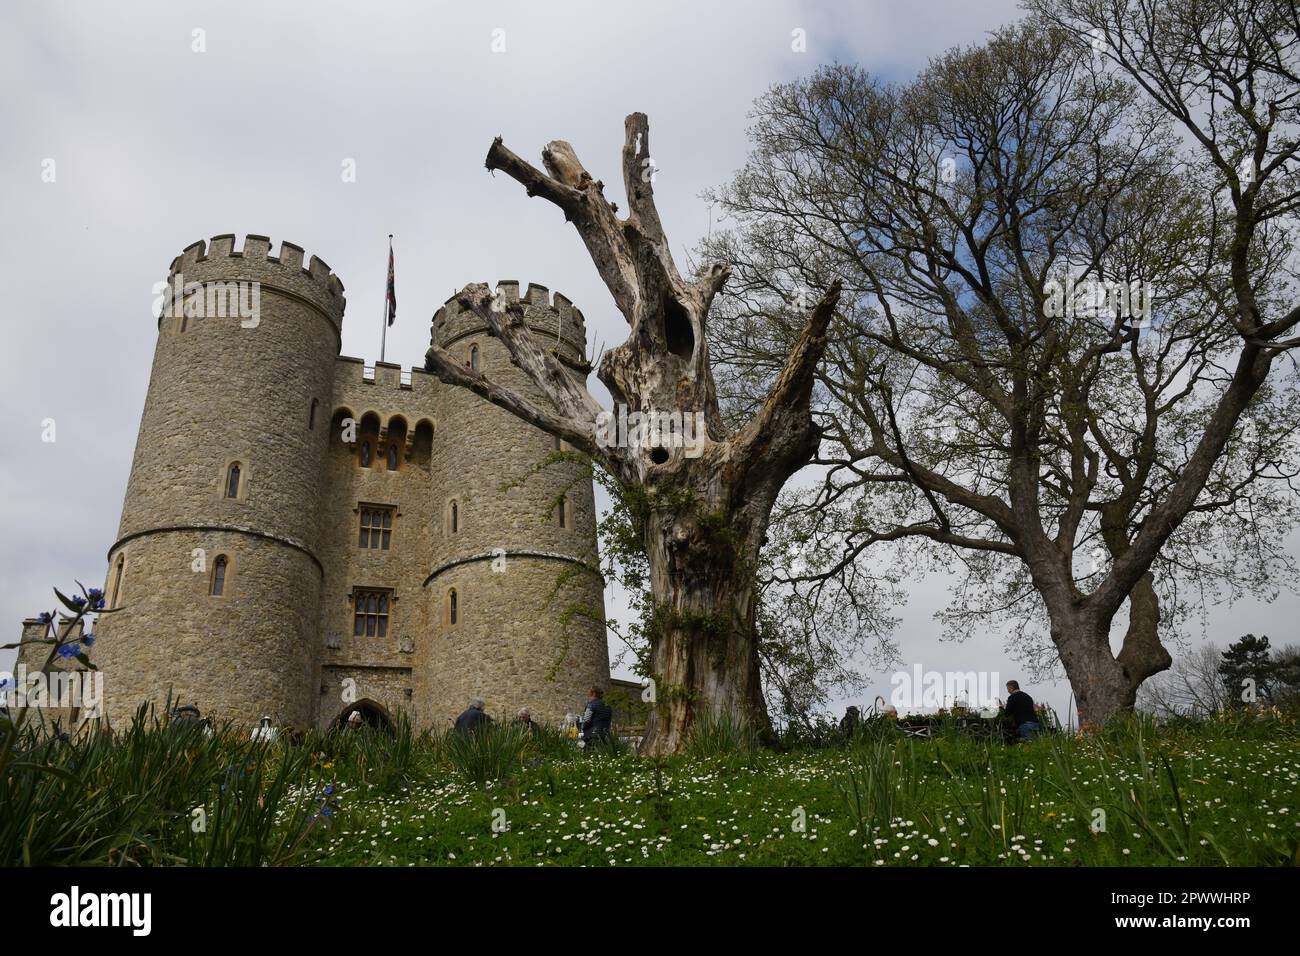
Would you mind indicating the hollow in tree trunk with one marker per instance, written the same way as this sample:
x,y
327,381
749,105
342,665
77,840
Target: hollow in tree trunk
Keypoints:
x,y
703,506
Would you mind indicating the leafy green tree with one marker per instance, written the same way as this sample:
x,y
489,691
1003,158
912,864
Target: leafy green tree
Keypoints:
x,y
1286,692
1087,462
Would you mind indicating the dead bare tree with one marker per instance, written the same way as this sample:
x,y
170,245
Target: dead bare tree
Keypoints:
x,y
703,518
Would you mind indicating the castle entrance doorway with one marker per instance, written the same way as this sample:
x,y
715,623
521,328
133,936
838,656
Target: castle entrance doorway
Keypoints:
x,y
373,715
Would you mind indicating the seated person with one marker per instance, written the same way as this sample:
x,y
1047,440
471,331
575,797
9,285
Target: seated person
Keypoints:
x,y
1020,710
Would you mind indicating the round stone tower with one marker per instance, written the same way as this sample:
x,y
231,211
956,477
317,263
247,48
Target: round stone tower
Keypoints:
x,y
215,566
515,603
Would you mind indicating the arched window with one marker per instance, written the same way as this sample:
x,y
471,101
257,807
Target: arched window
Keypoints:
x,y
392,456
116,593
311,415
453,518
563,511
422,446
367,435
453,610
232,481
218,577
473,357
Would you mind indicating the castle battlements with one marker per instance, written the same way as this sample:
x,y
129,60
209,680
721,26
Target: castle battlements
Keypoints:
x,y
220,261
547,314
271,560
353,371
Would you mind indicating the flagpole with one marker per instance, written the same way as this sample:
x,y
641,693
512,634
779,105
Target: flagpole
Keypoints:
x,y
383,340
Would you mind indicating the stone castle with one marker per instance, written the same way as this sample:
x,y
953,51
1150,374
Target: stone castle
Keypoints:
x,y
304,536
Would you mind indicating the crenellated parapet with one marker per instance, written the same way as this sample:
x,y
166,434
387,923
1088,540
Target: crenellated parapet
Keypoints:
x,y
352,373
259,526
220,261
552,317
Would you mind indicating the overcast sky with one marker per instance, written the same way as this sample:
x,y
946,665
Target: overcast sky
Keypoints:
x,y
155,145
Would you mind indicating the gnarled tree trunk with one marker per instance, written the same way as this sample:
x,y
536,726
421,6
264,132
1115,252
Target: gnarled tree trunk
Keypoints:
x,y
705,657
1107,683
703,516
1097,678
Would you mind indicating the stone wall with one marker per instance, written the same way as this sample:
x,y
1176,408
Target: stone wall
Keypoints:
x,y
387,687
273,396
530,629
385,412
226,390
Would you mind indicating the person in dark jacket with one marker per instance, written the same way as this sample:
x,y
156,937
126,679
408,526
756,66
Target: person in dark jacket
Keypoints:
x,y
1020,709
473,718
850,721
596,719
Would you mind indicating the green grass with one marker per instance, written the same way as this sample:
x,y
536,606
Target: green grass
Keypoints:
x,y
1218,793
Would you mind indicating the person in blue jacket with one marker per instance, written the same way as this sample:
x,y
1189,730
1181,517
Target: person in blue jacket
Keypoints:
x,y
596,719
473,718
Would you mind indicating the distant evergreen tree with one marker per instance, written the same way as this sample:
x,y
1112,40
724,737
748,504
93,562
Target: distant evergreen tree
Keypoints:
x,y
1286,690
1249,659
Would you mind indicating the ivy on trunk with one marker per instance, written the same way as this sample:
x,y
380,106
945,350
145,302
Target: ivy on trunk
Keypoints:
x,y
703,507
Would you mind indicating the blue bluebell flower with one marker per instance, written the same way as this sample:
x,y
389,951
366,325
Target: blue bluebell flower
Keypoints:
x,y
68,650
78,600
88,640
44,617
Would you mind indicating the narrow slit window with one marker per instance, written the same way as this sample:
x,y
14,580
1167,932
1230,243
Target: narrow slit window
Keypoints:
x,y
232,481
455,518
117,582
365,454
473,357
453,611
392,457
219,576
311,415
